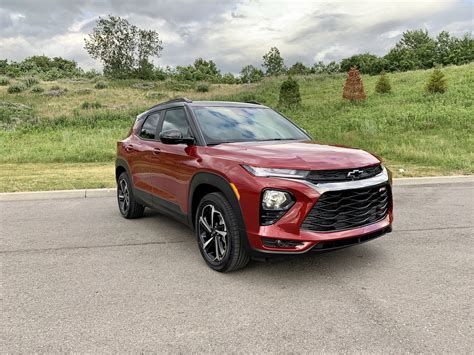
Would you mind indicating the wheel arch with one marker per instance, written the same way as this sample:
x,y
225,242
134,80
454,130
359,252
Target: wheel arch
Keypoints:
x,y
120,167
206,182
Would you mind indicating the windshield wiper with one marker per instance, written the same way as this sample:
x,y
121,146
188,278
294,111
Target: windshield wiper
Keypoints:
x,y
257,140
223,142
276,139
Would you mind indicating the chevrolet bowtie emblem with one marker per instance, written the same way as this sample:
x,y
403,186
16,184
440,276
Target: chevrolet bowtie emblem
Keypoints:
x,y
354,174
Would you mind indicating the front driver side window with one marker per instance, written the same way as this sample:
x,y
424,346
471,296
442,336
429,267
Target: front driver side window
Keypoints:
x,y
176,119
148,130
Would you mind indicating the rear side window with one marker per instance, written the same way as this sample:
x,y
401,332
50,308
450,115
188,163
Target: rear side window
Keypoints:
x,y
148,130
176,119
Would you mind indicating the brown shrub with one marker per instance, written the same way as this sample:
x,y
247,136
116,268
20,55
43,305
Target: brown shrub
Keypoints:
x,y
354,87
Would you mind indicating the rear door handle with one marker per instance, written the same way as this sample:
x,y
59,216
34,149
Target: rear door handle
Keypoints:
x,y
156,151
129,148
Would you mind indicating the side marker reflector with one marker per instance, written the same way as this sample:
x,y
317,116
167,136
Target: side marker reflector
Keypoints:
x,y
235,190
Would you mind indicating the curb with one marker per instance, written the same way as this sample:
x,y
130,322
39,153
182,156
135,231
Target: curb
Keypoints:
x,y
109,192
56,194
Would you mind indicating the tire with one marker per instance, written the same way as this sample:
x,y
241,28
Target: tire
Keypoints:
x,y
128,206
221,252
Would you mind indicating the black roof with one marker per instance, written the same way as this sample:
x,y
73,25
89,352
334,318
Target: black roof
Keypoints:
x,y
186,101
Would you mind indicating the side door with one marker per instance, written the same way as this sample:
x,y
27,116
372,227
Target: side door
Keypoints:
x,y
177,164
146,147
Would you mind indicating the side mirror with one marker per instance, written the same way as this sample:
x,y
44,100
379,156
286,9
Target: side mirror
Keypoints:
x,y
174,136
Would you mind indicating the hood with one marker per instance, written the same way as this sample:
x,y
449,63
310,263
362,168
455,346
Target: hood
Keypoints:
x,y
295,155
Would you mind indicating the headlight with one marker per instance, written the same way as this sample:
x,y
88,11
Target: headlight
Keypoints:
x,y
271,172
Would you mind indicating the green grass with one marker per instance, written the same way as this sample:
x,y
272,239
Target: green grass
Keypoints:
x,y
420,133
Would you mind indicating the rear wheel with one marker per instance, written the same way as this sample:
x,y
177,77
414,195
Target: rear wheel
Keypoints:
x,y
218,234
128,206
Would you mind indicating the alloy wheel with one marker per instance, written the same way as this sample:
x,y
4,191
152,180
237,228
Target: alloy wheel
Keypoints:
x,y
213,234
123,196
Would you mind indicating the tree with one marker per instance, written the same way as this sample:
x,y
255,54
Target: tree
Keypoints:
x,y
415,50
437,82
354,87
298,69
250,74
273,62
289,93
383,85
462,50
207,70
229,78
201,70
366,63
321,68
443,48
124,49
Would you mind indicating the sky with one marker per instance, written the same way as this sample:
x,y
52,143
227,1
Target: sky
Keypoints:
x,y
232,33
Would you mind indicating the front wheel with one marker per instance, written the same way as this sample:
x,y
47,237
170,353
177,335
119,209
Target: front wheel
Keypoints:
x,y
128,206
218,234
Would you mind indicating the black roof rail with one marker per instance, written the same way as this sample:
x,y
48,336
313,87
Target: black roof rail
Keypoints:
x,y
253,102
178,99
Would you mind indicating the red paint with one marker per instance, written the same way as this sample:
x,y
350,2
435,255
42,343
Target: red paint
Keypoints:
x,y
167,170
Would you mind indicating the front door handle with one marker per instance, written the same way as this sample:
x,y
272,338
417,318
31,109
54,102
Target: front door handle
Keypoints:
x,y
156,151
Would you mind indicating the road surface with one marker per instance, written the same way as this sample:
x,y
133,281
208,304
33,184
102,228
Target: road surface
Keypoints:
x,y
76,277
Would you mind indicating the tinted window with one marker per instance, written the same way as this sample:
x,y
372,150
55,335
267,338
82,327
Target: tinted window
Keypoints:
x,y
148,130
176,119
243,124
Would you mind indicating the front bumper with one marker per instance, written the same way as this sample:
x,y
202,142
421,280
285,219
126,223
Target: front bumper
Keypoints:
x,y
288,228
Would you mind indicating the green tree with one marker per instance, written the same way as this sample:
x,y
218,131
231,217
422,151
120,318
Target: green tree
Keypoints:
x,y
383,85
228,78
206,70
462,50
415,50
444,48
366,63
273,62
321,68
289,93
437,83
201,70
250,74
299,69
123,48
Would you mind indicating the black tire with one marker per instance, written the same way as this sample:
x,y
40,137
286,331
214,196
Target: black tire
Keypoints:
x,y
211,230
128,206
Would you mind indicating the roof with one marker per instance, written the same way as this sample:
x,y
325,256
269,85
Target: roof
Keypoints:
x,y
183,101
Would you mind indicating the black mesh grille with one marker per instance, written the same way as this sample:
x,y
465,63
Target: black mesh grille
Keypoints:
x,y
340,210
318,176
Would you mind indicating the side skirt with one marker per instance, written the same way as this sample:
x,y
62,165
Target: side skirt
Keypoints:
x,y
163,206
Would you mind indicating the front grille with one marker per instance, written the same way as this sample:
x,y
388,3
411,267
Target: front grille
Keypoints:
x,y
347,209
318,176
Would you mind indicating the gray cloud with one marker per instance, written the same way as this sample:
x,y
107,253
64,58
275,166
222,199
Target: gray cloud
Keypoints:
x,y
232,33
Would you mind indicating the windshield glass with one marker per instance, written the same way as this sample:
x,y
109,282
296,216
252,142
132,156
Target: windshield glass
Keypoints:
x,y
221,124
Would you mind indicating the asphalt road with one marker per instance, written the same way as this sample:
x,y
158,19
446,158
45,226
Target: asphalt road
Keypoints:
x,y
77,277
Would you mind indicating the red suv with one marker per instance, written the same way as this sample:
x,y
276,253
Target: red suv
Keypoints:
x,y
250,182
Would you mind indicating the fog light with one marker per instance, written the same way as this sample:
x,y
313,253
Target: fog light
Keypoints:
x,y
276,200
275,203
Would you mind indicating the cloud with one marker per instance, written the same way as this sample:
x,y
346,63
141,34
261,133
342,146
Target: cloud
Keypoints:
x,y
232,33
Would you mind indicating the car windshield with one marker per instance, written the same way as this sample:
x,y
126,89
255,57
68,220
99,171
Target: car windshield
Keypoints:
x,y
226,124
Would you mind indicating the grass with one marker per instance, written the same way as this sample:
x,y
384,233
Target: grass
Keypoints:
x,y
55,176
417,134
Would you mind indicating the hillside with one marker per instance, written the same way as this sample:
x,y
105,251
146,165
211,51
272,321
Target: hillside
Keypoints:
x,y
65,137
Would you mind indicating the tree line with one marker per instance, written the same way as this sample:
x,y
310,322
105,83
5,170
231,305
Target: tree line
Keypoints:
x,y
126,51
